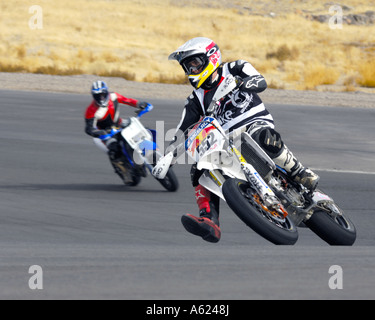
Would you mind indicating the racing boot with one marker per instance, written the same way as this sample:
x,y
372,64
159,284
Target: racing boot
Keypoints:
x,y
207,224
296,170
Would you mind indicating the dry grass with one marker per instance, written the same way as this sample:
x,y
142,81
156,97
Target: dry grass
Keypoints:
x,y
283,53
367,74
132,39
316,74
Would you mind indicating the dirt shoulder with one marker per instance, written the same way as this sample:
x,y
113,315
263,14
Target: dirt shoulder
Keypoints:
x,y
81,84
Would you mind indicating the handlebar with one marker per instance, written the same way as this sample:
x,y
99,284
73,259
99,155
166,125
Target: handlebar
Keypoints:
x,y
109,135
115,131
148,108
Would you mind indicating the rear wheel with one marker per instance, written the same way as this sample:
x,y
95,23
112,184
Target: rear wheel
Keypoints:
x,y
135,182
247,205
126,172
331,225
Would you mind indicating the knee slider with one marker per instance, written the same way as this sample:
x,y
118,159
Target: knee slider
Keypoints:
x,y
270,140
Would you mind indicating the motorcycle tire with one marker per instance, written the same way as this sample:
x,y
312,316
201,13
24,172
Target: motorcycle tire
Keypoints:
x,y
240,198
136,180
339,231
170,182
126,169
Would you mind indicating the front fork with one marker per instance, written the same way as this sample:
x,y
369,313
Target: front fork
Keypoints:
x,y
267,196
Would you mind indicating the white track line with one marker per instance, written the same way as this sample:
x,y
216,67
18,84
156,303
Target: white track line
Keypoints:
x,y
343,171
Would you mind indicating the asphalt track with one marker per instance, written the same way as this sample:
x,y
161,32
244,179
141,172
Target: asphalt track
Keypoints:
x,y
62,208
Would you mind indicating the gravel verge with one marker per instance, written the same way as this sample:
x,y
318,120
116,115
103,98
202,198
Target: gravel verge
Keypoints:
x,y
82,84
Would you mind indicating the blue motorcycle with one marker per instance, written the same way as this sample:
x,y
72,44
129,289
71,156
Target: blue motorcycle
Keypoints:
x,y
139,152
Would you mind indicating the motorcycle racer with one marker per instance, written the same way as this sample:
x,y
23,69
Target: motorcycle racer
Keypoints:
x,y
201,60
102,114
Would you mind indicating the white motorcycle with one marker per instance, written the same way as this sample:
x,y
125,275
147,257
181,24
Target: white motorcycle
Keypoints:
x,y
261,194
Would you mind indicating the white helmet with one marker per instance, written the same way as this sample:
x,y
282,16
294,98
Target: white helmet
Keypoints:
x,y
100,93
199,57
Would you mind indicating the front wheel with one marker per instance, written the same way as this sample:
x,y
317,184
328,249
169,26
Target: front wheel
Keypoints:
x,y
170,182
246,204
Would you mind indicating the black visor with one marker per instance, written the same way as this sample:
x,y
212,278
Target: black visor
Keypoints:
x,y
101,97
194,65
